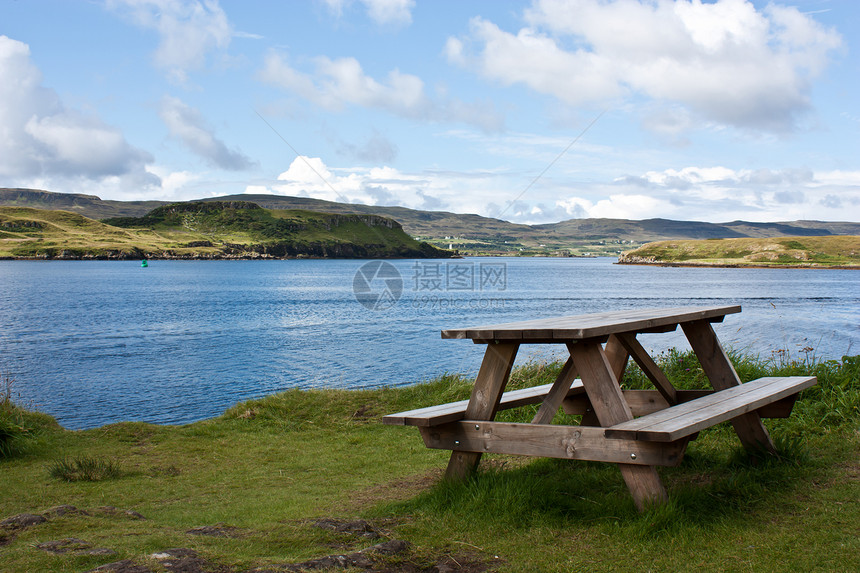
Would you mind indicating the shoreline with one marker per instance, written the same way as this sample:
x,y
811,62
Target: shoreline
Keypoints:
x,y
739,266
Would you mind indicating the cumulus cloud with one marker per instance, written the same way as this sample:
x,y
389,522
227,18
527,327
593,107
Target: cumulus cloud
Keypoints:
x,y
188,31
342,82
726,61
311,177
383,12
704,193
339,83
616,206
188,126
719,194
43,141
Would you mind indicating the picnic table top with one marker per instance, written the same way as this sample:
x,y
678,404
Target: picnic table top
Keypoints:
x,y
581,327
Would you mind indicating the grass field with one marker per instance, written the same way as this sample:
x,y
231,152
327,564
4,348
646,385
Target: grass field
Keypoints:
x,y
829,251
304,475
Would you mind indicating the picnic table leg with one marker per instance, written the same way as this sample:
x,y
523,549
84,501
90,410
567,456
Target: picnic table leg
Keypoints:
x,y
649,367
598,377
556,394
489,387
617,355
722,375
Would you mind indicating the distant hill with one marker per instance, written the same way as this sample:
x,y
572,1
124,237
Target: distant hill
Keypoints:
x,y
87,205
211,230
468,232
833,251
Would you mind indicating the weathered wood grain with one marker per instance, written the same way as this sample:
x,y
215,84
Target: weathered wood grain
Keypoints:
x,y
591,325
644,402
648,366
611,409
682,420
721,373
616,354
486,395
558,392
551,441
453,411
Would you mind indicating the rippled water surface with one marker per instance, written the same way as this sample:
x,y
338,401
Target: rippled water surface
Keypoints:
x,y
100,342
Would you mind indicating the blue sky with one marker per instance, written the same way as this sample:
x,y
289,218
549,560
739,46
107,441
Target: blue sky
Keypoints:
x,y
532,112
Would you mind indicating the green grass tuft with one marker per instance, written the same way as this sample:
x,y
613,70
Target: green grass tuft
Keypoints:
x,y
20,429
85,468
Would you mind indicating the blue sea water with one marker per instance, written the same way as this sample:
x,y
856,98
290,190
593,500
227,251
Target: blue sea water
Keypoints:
x,y
96,342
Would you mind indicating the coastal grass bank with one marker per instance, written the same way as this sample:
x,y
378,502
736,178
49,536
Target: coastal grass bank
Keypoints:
x,y
313,480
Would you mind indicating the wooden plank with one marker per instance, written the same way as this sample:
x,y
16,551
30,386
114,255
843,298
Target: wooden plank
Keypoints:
x,y
559,391
600,383
680,421
600,339
486,395
611,409
648,366
593,325
779,409
640,402
453,411
552,441
710,400
720,372
617,356
644,402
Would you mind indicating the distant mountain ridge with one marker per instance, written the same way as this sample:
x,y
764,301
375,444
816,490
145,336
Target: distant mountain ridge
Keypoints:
x,y
206,230
463,230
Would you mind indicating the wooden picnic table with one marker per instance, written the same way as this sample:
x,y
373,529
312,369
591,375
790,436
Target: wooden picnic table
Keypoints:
x,y
637,429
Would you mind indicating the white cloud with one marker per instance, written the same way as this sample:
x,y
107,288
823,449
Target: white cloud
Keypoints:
x,y
188,31
397,12
43,141
705,193
336,84
173,183
383,12
719,194
311,177
725,61
617,206
258,190
342,82
187,125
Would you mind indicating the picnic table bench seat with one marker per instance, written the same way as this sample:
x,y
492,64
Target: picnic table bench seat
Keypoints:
x,y
684,419
771,397
455,411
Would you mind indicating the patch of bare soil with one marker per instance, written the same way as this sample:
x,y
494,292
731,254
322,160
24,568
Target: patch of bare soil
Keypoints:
x,y
396,490
6,538
357,527
182,560
124,566
217,530
22,521
385,555
74,546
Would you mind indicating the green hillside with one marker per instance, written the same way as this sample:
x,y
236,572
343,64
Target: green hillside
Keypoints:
x,y
830,251
210,230
469,233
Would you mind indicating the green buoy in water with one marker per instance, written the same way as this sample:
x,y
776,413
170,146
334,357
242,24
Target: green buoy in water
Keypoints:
x,y
143,263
